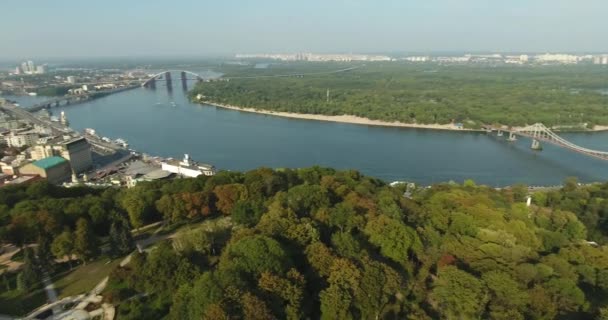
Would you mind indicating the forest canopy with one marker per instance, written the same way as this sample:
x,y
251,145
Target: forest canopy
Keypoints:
x,y
474,95
320,243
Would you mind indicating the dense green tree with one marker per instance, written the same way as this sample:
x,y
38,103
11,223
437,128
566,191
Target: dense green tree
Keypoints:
x,y
247,213
255,255
457,294
30,273
507,299
63,245
395,240
120,238
305,199
139,204
85,242
44,252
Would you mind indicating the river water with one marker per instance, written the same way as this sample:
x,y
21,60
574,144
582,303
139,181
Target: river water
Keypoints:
x,y
166,124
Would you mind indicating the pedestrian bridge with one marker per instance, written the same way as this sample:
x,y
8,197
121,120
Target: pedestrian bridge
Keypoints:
x,y
538,132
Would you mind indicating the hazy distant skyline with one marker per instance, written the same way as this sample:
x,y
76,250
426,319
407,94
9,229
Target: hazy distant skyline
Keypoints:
x,y
70,28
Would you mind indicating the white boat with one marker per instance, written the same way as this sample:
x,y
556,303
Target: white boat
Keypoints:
x,y
122,142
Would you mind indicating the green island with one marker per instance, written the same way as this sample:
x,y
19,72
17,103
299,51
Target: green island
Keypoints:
x,y
565,97
313,243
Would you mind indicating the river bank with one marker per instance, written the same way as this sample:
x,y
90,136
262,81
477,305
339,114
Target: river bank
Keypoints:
x,y
343,119
369,122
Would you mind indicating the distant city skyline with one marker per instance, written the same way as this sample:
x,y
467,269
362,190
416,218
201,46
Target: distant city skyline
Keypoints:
x,y
112,28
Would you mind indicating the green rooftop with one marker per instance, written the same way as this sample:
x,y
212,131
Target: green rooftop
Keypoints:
x,y
49,162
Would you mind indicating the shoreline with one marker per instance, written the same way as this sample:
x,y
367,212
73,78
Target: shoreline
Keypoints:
x,y
350,119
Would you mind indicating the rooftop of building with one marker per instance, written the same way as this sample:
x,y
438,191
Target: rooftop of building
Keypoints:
x,y
139,168
157,174
49,162
23,179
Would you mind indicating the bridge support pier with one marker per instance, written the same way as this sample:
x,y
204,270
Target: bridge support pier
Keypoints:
x,y
499,133
512,137
150,84
169,81
184,81
536,145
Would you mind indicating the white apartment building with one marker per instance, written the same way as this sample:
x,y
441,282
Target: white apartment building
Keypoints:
x,y
559,58
20,139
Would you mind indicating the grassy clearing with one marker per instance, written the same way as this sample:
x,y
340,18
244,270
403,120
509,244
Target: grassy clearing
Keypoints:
x,y
84,278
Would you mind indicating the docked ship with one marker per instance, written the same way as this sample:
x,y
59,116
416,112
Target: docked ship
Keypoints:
x,y
187,167
122,142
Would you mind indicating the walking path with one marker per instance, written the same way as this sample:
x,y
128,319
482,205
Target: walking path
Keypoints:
x,y
51,294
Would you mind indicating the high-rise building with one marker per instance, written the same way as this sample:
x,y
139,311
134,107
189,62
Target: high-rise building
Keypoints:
x,y
18,70
78,151
31,67
24,67
41,69
71,79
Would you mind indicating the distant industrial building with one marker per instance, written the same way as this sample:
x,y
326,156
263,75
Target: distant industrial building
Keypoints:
x,y
187,167
54,169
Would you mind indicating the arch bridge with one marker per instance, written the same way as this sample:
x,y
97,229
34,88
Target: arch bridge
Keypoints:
x,y
166,76
538,133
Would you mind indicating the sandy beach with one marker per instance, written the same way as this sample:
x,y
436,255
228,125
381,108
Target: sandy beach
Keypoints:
x,y
342,119
358,120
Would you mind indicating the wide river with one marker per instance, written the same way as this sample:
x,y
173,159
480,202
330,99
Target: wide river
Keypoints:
x,y
167,124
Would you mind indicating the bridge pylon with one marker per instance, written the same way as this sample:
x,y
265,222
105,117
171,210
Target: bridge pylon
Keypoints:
x,y
536,145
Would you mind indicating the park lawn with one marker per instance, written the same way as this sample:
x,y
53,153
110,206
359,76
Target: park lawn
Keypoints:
x,y
84,278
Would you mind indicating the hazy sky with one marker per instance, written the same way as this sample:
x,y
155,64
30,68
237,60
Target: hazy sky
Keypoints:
x,y
45,28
